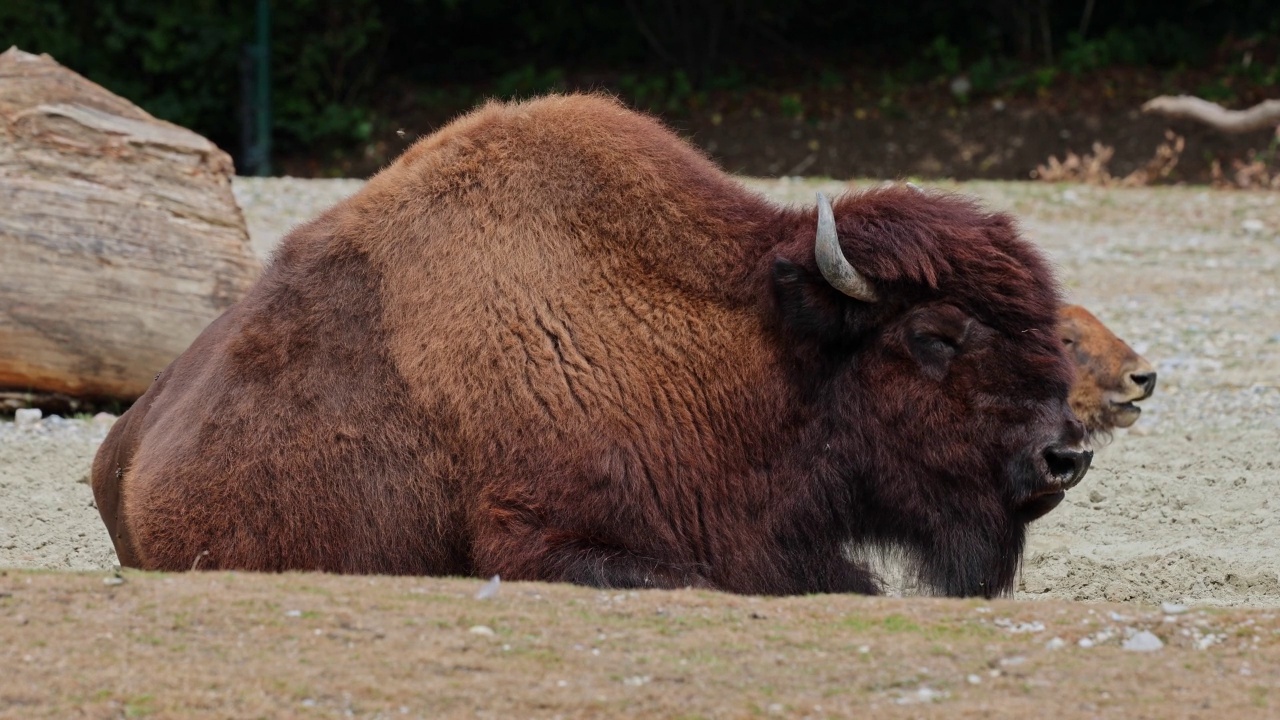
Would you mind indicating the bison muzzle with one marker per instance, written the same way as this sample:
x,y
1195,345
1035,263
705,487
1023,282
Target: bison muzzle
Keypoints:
x,y
554,342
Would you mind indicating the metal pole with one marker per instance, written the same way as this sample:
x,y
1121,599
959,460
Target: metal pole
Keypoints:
x,y
264,89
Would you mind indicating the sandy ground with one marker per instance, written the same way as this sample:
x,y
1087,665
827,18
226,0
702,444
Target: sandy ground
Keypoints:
x,y
1181,509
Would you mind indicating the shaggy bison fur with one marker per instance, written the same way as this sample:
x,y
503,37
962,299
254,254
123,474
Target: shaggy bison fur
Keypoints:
x,y
552,341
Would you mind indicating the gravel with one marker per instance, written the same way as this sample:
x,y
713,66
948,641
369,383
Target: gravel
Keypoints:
x,y
1178,510
274,206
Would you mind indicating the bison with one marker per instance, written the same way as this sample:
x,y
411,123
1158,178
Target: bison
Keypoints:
x,y
1110,376
553,341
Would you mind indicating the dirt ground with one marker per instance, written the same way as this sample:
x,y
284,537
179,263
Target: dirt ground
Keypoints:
x,y
1180,509
250,646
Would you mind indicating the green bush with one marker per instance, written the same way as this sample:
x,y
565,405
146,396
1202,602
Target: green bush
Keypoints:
x,y
178,62
181,61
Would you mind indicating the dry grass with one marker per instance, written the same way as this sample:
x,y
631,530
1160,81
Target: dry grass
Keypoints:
x,y
298,645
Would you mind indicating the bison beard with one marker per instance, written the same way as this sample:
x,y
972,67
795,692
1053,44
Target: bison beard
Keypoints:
x,y
552,341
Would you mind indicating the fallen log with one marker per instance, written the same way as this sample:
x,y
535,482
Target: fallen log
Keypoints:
x,y
1265,114
120,239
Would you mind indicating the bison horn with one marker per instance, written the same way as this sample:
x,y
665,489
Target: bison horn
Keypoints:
x,y
835,267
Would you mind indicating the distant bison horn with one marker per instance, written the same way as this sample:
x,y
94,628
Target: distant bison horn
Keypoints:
x,y
834,265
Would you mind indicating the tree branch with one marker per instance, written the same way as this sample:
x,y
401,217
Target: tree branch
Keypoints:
x,y
1084,19
1046,32
1264,115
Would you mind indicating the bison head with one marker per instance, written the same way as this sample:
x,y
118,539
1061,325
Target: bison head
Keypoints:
x,y
929,339
1110,376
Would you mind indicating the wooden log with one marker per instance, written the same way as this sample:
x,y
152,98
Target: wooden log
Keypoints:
x,y
120,239
1265,114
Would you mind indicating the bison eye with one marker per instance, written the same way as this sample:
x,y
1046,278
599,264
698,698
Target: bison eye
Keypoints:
x,y
1068,341
941,345
936,347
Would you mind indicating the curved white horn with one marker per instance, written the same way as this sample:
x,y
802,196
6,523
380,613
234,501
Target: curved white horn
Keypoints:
x,y
835,267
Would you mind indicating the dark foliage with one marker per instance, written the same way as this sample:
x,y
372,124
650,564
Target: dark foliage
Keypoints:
x,y
333,62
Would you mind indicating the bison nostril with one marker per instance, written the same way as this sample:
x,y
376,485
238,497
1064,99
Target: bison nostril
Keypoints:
x,y
1067,466
1145,380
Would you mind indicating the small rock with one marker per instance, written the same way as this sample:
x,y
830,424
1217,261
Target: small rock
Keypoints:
x,y
1143,642
1086,642
104,420
1034,626
1056,643
113,580
484,630
924,695
1169,608
1096,497
1253,226
974,679
1205,642
27,417
293,613
490,589
637,680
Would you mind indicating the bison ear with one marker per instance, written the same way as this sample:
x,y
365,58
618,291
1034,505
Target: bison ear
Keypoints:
x,y
811,308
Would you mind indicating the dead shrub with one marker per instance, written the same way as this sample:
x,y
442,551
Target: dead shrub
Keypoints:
x,y
1255,174
1091,168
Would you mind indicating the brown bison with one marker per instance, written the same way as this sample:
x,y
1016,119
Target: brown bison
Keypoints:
x,y
1110,376
552,341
